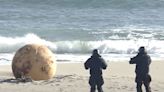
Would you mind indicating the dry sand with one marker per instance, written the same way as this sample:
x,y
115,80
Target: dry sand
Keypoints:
x,y
72,77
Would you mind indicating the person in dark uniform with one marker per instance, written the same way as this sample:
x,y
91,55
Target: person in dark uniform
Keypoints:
x,y
142,61
95,63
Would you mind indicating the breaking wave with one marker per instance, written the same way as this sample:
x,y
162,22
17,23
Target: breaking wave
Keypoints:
x,y
11,44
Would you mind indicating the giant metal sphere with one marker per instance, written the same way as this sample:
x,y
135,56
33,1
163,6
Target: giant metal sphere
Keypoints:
x,y
35,61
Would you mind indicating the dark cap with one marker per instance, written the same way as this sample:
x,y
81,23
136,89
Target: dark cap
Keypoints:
x,y
142,49
95,51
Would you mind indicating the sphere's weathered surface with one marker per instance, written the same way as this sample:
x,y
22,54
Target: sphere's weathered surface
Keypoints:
x,y
34,61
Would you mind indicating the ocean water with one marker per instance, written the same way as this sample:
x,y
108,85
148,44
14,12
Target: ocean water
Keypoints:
x,y
73,28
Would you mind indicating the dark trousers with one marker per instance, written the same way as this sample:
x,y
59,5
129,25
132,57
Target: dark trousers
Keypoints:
x,y
143,80
93,88
147,87
96,81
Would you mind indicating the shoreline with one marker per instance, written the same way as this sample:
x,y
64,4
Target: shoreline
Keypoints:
x,y
114,68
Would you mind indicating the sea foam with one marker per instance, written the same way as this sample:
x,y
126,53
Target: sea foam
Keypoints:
x,y
11,44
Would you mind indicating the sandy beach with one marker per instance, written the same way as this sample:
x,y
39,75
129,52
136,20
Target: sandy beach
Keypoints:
x,y
72,77
71,30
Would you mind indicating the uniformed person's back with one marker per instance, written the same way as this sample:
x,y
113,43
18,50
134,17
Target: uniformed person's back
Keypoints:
x,y
142,61
95,63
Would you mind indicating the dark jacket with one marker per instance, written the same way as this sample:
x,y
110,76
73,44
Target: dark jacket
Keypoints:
x,y
95,63
142,61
